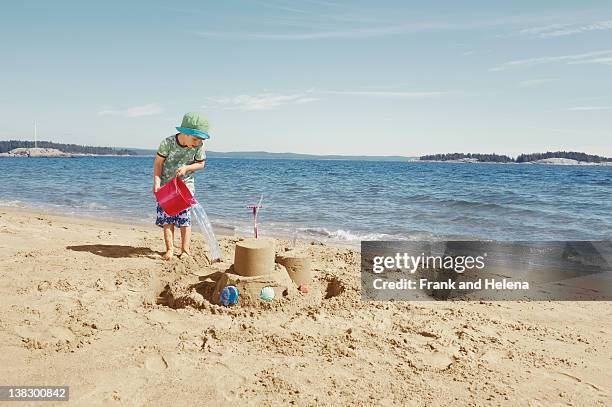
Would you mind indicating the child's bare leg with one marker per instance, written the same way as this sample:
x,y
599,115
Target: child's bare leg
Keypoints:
x,y
169,241
185,239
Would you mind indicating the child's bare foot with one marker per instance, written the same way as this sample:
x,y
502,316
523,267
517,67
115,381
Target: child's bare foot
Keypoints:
x,y
184,255
168,255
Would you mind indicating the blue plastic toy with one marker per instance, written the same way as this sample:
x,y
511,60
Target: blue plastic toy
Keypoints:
x,y
229,295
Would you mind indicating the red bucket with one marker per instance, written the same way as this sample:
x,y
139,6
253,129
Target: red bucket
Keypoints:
x,y
174,197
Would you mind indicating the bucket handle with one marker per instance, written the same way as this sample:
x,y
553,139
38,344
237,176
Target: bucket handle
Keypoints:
x,y
192,201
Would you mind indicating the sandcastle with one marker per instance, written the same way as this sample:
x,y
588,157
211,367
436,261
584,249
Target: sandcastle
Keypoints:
x,y
256,266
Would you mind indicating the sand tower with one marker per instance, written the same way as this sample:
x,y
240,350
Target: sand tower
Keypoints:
x,y
254,257
298,266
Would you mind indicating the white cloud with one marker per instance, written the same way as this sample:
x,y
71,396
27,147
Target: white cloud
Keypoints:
x,y
388,29
390,94
328,34
558,30
262,101
136,111
534,82
603,61
568,59
543,29
266,101
586,108
353,22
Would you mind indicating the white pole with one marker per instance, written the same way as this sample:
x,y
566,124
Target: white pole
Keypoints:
x,y
35,136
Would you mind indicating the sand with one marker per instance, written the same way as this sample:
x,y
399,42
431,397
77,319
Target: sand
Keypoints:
x,y
86,303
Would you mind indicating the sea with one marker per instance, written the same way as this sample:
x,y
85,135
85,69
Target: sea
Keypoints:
x,y
339,201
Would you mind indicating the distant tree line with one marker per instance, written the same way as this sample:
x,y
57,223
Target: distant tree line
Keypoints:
x,y
523,158
6,146
496,158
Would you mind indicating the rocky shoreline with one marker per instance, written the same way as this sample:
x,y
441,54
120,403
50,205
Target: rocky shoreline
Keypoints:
x,y
36,152
52,153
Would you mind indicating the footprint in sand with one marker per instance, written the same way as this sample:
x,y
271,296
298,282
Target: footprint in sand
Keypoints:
x,y
438,359
228,380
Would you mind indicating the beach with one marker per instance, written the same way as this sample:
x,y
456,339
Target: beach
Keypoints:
x,y
85,305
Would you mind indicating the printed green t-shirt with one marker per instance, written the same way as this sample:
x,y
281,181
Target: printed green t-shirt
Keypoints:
x,y
176,156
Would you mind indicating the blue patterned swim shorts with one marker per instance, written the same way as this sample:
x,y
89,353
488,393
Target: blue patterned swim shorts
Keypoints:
x,y
181,219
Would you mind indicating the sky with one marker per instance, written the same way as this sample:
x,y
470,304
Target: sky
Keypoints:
x,y
319,77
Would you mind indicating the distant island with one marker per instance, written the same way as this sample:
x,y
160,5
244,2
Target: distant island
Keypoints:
x,y
263,155
557,157
50,149
469,157
19,148
570,155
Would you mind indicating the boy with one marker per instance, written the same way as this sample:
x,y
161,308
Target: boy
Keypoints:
x,y
180,155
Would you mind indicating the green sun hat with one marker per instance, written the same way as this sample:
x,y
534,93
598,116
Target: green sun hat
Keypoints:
x,y
194,124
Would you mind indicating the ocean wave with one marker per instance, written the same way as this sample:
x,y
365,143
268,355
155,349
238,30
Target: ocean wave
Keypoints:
x,y
225,229
94,205
12,203
488,209
343,235
462,203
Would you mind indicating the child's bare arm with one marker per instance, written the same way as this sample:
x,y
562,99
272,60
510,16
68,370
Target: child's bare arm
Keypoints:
x,y
190,168
158,164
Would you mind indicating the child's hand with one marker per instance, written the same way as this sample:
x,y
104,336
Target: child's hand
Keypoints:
x,y
181,171
156,184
